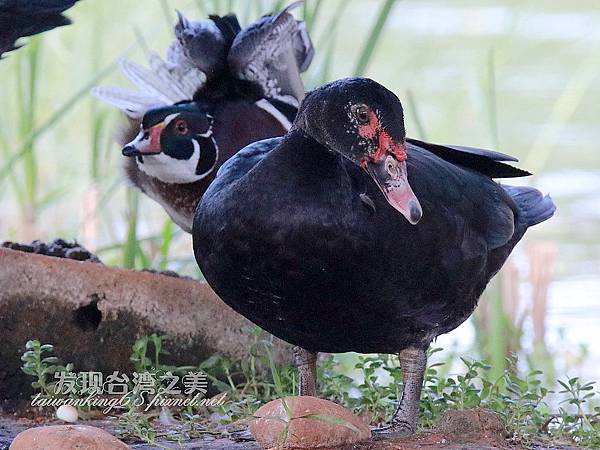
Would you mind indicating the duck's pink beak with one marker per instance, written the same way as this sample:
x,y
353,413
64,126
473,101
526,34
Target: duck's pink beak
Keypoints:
x,y
387,167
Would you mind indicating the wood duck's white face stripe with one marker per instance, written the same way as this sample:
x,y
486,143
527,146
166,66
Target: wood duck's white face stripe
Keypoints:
x,y
170,118
209,157
273,111
170,170
182,171
209,132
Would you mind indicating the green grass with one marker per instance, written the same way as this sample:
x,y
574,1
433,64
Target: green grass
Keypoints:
x,y
373,37
532,413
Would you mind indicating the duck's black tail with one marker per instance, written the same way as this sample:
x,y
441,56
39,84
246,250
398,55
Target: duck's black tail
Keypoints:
x,y
20,18
534,206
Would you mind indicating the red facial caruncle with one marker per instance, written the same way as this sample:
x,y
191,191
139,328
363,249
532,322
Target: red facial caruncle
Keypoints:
x,y
385,144
386,164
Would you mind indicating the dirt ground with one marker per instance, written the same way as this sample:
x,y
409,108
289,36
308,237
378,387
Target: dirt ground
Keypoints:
x,y
465,430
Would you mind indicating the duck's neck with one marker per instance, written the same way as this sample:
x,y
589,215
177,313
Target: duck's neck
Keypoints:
x,y
306,161
308,148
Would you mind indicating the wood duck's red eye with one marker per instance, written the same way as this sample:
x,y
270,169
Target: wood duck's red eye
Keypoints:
x,y
181,127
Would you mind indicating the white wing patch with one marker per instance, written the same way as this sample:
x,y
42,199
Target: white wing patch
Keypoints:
x,y
268,107
165,83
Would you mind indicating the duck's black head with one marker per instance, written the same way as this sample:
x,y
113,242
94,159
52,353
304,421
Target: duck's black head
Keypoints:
x,y
175,143
364,122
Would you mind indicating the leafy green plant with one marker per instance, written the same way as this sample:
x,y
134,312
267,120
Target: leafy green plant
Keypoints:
x,y
139,426
42,367
371,389
584,426
152,344
521,401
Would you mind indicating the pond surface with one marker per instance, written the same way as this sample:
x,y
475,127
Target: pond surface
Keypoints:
x,y
523,78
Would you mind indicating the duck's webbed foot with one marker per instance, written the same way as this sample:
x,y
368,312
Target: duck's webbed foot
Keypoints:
x,y
306,362
393,430
413,362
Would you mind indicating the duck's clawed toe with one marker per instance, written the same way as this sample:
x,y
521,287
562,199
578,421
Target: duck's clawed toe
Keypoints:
x,y
395,429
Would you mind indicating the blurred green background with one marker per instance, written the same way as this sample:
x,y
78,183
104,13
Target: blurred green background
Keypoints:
x,y
521,77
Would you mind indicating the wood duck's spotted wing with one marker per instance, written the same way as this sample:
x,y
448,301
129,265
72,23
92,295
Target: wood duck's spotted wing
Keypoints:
x,y
198,52
271,53
204,44
161,85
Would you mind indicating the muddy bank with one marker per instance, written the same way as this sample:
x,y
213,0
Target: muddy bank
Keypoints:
x,y
93,314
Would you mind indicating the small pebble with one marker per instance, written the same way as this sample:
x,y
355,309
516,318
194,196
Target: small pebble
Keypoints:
x,y
166,417
67,413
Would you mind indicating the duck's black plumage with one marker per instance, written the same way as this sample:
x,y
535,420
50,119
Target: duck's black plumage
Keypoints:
x,y
305,235
486,162
284,237
21,18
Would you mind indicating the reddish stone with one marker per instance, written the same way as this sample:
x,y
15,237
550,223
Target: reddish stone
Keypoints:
x,y
306,423
66,437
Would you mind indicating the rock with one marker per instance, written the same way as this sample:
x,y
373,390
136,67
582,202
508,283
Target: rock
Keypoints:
x,y
66,437
58,248
312,423
67,413
93,314
10,427
472,423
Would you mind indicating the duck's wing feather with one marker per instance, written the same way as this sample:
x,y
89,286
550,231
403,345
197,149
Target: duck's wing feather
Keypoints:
x,y
21,18
452,195
242,162
271,53
161,84
198,52
486,162
204,44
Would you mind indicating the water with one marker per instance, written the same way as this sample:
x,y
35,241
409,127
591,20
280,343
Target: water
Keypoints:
x,y
546,74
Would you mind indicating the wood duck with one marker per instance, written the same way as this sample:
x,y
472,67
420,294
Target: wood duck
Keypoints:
x,y
319,237
21,18
220,89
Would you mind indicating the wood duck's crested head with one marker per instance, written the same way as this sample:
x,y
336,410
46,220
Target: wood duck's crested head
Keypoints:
x,y
364,122
176,143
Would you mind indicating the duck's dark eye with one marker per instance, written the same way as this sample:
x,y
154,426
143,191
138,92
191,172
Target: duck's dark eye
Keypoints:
x,y
362,114
181,127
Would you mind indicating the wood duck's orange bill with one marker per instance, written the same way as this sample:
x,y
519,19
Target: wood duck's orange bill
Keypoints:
x,y
147,142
